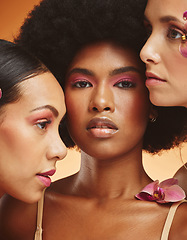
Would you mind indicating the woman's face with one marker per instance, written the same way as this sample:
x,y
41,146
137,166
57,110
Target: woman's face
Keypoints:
x,y
166,67
107,101
29,138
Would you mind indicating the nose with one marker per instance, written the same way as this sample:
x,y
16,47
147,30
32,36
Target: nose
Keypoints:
x,y
102,99
150,51
57,150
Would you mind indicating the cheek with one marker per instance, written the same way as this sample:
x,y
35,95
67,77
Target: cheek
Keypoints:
x,y
10,138
18,143
75,104
135,107
176,65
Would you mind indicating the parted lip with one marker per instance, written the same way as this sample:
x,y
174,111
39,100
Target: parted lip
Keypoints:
x,y
151,75
48,173
103,122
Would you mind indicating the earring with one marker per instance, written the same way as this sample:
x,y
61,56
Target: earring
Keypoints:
x,y
183,45
0,93
152,120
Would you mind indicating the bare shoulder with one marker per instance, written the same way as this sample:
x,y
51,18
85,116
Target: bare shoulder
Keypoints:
x,y
14,218
181,175
179,225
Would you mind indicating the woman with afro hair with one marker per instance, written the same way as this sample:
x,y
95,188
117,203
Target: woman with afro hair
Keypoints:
x,y
92,47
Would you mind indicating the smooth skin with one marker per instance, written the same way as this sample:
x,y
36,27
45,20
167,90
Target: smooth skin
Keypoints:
x,y
165,26
29,138
104,87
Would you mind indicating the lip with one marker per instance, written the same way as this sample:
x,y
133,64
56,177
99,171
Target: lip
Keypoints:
x,y
153,79
101,127
44,177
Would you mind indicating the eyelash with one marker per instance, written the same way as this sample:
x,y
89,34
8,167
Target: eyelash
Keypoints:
x,y
81,84
42,124
173,30
124,83
170,31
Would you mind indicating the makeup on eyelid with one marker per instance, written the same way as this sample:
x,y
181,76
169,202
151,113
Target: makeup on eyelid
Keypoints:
x,y
125,78
42,114
113,80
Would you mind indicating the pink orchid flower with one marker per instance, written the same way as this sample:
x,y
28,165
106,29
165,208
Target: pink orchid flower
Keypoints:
x,y
166,191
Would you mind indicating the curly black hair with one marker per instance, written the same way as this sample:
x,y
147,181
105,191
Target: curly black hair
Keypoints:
x,y
57,29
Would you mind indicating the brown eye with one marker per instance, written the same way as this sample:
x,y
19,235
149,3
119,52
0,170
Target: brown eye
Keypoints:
x,y
125,84
82,84
43,124
174,34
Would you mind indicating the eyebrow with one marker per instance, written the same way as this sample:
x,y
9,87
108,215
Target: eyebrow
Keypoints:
x,y
166,19
123,70
112,73
51,108
81,70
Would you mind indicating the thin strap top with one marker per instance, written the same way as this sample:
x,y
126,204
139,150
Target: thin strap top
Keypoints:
x,y
165,232
169,220
38,233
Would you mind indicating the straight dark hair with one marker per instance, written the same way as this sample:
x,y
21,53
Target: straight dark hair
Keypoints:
x,y
16,65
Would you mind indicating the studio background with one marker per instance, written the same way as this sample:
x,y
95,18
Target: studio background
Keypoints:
x,y
12,15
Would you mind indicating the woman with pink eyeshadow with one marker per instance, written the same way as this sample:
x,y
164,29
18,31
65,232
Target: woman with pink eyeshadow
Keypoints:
x,y
31,109
93,48
165,56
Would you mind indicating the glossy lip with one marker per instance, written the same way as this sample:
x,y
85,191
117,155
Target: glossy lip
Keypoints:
x,y
153,79
44,177
48,173
101,127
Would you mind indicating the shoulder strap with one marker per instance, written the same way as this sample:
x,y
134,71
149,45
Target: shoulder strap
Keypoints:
x,y
169,220
38,233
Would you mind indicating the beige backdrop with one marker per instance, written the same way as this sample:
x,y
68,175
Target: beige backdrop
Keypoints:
x,y
12,15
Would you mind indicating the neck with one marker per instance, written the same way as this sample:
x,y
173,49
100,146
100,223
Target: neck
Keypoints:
x,y
110,178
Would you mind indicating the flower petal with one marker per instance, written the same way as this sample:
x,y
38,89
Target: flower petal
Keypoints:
x,y
174,194
144,196
150,188
168,182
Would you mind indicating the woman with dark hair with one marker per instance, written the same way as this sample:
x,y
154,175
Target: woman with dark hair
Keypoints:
x,y
30,98
110,119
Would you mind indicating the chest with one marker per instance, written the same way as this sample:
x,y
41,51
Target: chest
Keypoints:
x,y
106,222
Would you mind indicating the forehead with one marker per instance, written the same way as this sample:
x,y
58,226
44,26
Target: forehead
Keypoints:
x,y
160,8
37,91
106,54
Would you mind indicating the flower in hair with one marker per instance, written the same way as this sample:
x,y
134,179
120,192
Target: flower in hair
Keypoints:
x,y
183,45
164,192
0,93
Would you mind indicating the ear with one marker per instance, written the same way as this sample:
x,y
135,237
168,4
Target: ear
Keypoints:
x,y
153,114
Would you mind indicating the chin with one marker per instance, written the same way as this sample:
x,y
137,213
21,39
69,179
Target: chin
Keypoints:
x,y
28,197
159,101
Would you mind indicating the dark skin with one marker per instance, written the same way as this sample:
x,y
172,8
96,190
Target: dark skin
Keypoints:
x,y
181,175
98,202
